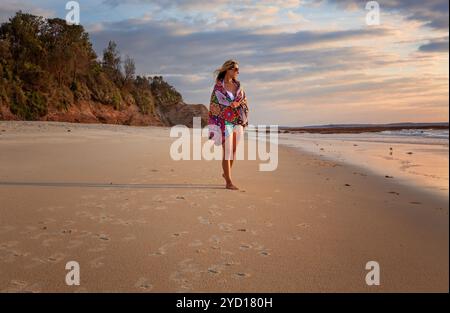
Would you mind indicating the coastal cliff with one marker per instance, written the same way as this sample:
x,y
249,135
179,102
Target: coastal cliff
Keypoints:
x,y
50,72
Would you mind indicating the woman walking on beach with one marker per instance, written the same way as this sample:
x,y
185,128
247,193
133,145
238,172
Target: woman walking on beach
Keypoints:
x,y
228,112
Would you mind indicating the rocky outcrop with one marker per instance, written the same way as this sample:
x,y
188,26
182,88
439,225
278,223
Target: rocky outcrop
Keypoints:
x,y
182,114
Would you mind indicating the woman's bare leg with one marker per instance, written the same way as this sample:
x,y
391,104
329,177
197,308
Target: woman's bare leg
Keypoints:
x,y
226,165
238,135
234,150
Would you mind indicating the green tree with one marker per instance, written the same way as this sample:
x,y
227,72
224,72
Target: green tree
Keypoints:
x,y
129,70
112,62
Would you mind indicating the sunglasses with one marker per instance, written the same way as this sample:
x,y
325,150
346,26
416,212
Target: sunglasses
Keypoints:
x,y
236,69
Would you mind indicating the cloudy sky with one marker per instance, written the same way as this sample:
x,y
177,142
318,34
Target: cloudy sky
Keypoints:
x,y
303,62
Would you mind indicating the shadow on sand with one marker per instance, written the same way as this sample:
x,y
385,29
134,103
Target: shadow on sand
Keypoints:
x,y
111,185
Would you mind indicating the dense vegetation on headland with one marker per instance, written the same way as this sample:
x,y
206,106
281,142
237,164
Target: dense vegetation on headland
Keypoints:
x,y
49,71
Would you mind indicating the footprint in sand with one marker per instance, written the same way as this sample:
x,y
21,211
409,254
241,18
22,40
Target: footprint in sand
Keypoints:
x,y
100,248
257,246
81,290
11,255
295,238
203,220
6,228
230,263
38,236
157,198
103,237
36,262
8,244
87,197
179,234
226,227
48,242
129,237
245,246
84,214
195,243
104,218
97,262
163,249
50,208
144,284
56,257
215,270
187,272
19,253
68,223
241,275
32,288
214,213
74,244
15,286
84,233
214,239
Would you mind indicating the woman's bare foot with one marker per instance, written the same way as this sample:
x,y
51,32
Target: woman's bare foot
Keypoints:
x,y
229,185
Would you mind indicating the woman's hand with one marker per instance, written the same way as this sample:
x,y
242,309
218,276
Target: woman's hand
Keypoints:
x,y
235,104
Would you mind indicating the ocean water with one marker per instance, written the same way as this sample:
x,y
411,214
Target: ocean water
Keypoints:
x,y
419,158
420,133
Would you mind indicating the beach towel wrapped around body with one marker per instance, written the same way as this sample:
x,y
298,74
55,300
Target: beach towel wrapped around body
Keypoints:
x,y
221,113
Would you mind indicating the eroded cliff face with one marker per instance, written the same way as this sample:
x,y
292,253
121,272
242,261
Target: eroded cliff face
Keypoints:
x,y
92,112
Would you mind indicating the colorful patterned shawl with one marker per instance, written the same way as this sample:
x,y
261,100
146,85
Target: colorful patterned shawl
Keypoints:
x,y
220,111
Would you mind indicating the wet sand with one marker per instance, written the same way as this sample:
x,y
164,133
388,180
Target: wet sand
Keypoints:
x,y
415,161
112,199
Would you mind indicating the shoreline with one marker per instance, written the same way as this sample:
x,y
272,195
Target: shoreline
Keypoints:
x,y
309,226
415,162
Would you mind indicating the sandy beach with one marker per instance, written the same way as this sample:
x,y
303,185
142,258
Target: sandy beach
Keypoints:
x,y
111,198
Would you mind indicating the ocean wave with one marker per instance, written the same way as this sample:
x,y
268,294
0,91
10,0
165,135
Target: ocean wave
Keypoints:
x,y
424,133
